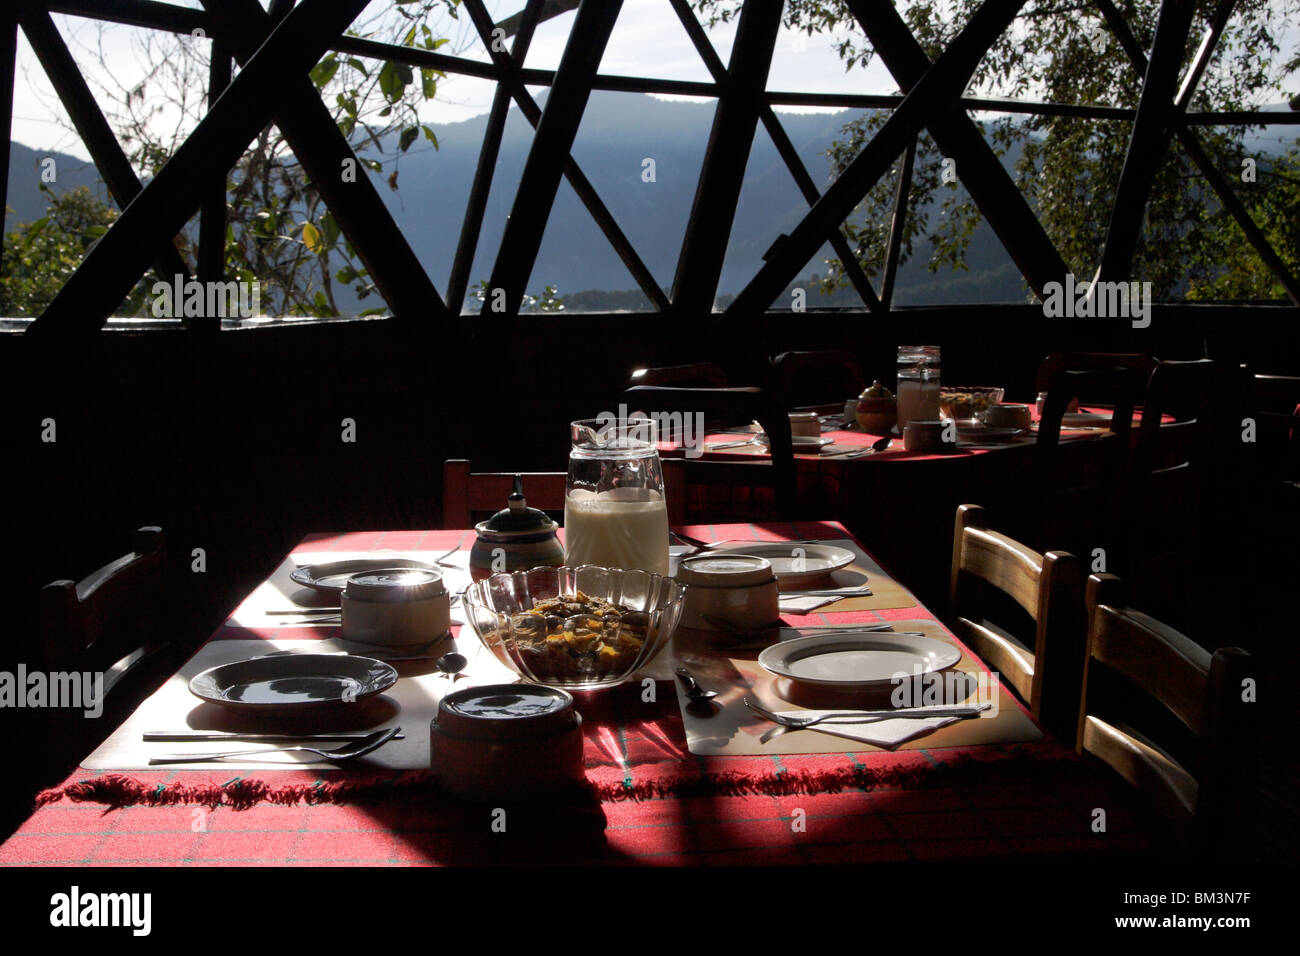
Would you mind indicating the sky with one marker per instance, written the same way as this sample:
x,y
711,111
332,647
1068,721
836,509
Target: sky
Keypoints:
x,y
648,40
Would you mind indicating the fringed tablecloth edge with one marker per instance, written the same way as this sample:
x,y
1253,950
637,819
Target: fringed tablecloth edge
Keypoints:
x,y
117,790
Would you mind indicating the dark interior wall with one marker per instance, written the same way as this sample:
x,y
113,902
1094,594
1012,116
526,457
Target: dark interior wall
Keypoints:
x,y
233,442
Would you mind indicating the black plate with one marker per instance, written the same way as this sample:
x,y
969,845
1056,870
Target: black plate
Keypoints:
x,y
290,684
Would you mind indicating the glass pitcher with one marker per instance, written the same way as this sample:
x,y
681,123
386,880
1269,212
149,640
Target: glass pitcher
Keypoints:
x,y
615,514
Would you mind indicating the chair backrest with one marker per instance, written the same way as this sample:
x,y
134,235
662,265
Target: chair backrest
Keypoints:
x,y
466,492
107,621
818,377
1047,587
695,375
1275,408
1140,364
731,406
1163,506
1209,802
1080,487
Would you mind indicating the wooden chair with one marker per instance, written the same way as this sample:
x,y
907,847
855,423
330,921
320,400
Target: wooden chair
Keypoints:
x,y
731,406
1208,799
1139,364
109,623
695,375
1081,487
1275,408
1158,554
827,376
1047,676
465,492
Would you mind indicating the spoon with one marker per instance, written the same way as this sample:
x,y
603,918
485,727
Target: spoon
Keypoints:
x,y
349,751
451,664
692,687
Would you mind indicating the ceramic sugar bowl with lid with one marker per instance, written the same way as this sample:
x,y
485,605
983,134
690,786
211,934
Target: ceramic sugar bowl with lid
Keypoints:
x,y
516,538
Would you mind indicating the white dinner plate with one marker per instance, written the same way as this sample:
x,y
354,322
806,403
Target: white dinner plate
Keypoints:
x,y
1084,420
849,661
979,434
332,576
796,564
293,684
801,442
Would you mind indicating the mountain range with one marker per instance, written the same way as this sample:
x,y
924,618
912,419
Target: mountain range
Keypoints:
x,y
619,133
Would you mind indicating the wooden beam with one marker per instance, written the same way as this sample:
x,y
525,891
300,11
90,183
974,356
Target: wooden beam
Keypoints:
x,y
704,247
784,148
1149,140
1192,146
551,9
212,217
476,206
896,225
550,150
942,82
1243,118
980,170
582,186
1204,53
8,64
114,264
149,14
356,205
111,163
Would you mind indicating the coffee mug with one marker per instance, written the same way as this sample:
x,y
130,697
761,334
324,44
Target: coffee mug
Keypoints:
x,y
929,435
1007,415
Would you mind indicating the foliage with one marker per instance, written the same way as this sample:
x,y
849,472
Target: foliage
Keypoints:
x,y
1061,51
1276,209
278,229
548,300
40,256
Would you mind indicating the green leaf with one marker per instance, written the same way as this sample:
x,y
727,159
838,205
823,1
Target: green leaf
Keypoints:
x,y
324,71
390,82
330,227
407,138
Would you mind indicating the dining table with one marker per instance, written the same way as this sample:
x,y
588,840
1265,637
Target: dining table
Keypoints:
x,y
662,787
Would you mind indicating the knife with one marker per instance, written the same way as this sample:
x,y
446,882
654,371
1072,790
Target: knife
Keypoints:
x,y
151,736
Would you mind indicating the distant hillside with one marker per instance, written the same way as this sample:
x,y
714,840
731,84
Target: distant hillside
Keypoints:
x,y
24,197
619,132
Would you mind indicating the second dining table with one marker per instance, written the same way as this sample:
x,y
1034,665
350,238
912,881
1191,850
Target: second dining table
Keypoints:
x,y
663,787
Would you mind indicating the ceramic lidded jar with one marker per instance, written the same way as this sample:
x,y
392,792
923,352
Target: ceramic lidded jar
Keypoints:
x,y
877,410
507,742
516,538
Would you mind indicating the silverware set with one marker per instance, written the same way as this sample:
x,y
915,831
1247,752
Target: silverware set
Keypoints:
x,y
786,722
353,747
857,590
862,716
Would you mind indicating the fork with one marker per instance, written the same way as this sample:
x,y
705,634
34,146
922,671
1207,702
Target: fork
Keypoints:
x,y
849,716
719,446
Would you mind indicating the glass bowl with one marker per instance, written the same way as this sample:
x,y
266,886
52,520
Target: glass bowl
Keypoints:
x,y
967,403
565,643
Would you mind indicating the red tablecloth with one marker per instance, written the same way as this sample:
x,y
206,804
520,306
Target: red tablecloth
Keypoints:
x,y
652,802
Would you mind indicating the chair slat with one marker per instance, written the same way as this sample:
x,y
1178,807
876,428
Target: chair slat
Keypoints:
x,y
1210,803
1046,586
